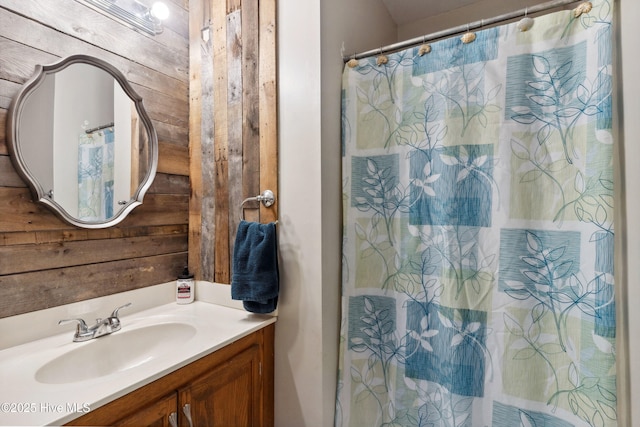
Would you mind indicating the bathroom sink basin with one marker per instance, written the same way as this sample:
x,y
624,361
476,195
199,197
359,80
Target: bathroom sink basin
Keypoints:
x,y
120,351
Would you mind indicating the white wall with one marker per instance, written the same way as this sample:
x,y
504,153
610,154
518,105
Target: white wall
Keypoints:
x,y
310,38
123,110
473,12
349,26
298,367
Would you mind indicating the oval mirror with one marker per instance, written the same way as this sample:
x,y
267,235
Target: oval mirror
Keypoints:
x,y
81,139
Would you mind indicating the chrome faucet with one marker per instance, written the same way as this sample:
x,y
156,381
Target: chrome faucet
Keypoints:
x,y
101,327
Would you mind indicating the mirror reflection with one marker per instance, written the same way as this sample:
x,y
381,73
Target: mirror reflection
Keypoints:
x,y
83,141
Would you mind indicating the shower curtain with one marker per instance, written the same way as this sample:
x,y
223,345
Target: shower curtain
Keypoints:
x,y
95,175
477,230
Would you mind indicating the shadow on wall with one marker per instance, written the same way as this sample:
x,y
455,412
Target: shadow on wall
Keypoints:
x,y
289,360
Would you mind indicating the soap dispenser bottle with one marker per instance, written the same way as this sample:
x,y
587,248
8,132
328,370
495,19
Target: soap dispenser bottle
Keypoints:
x,y
185,290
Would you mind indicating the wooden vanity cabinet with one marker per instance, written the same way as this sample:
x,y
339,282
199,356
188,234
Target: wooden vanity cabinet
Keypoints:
x,y
156,414
231,387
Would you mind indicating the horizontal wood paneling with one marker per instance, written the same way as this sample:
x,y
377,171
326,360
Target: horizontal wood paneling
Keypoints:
x,y
45,262
164,183
46,256
166,52
173,159
77,234
8,175
18,212
19,293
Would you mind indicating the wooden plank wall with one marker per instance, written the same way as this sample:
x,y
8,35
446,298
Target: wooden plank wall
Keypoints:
x,y
233,125
45,262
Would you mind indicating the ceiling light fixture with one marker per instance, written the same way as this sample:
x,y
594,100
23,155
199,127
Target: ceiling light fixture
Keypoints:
x,y
135,13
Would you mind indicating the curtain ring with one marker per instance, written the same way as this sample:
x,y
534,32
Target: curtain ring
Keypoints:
x,y
381,58
525,23
353,62
425,48
468,37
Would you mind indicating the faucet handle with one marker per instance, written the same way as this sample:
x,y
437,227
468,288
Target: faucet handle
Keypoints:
x,y
82,326
115,312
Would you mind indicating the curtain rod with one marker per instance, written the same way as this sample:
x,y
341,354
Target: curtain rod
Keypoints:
x,y
108,125
461,28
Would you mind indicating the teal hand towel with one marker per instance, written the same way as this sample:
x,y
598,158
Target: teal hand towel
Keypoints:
x,y
255,278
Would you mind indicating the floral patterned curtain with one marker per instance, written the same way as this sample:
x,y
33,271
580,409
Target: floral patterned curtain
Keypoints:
x,y
95,175
478,230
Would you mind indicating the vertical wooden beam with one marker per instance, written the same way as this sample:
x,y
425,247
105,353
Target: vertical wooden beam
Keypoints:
x,y
251,110
234,115
233,5
195,154
268,107
220,127
207,149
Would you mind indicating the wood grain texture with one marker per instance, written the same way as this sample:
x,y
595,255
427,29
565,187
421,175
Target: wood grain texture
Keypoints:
x,y
19,293
78,234
173,159
8,175
48,256
238,104
167,183
221,122
154,415
198,28
45,262
19,32
167,52
251,111
18,212
268,107
268,376
214,107
235,128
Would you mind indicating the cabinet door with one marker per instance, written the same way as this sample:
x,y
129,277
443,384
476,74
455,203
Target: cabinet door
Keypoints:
x,y
157,414
228,396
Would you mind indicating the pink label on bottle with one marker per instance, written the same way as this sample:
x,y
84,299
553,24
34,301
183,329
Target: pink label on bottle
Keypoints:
x,y
184,291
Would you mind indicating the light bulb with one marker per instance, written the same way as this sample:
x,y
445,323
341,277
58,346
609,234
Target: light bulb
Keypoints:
x,y
160,11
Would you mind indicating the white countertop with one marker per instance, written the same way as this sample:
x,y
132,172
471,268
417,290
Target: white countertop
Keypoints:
x,y
25,401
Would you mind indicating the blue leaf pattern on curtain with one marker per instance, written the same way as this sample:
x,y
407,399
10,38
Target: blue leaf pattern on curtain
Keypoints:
x,y
95,175
478,231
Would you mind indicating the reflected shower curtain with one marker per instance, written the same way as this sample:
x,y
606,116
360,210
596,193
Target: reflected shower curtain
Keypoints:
x,y
95,175
478,236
